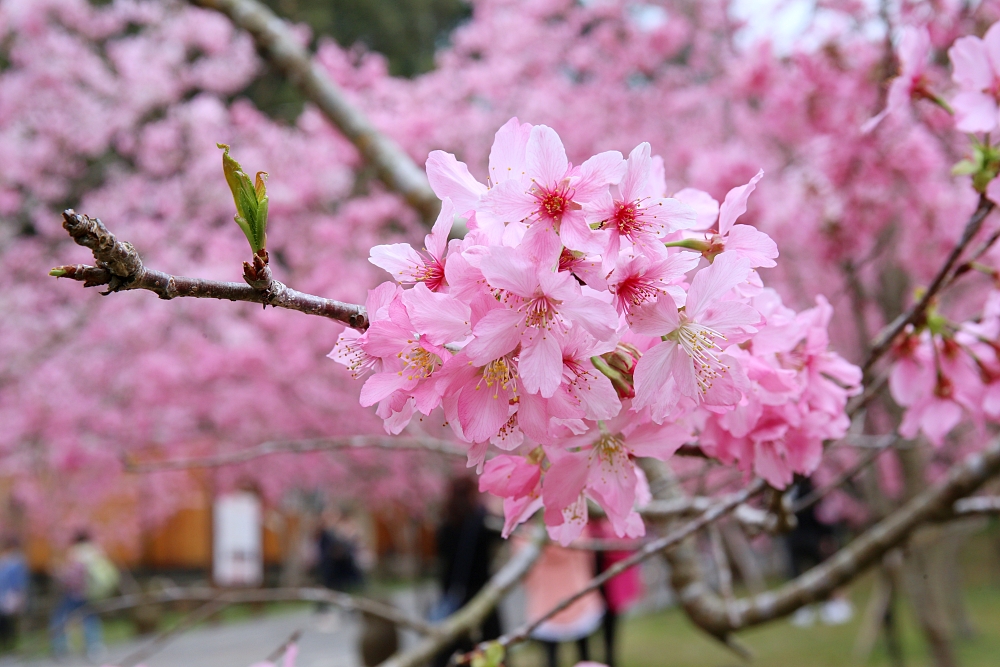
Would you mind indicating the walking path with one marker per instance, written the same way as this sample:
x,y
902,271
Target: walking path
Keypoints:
x,y
328,640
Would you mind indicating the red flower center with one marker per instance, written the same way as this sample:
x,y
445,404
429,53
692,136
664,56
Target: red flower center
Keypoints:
x,y
625,218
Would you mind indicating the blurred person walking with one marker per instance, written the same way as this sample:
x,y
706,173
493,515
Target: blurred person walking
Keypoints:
x,y
86,575
465,545
810,543
559,573
620,592
339,543
13,591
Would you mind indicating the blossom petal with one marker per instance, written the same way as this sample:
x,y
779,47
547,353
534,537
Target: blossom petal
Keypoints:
x,y
633,185
546,157
726,272
655,319
483,410
974,112
440,317
735,204
970,63
597,174
540,364
451,179
507,156
497,333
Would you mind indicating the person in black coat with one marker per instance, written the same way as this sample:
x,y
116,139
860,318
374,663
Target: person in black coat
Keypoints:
x,y
465,547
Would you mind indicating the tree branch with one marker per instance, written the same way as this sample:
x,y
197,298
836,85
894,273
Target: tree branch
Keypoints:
x,y
276,42
651,548
477,609
200,614
883,342
298,447
816,495
710,612
120,268
978,505
229,597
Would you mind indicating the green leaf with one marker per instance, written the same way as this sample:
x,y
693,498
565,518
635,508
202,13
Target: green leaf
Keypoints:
x,y
964,168
492,656
250,199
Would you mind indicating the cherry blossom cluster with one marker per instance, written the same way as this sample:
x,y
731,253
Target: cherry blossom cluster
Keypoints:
x,y
945,372
586,319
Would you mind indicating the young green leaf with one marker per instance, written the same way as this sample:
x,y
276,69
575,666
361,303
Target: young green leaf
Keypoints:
x,y
250,199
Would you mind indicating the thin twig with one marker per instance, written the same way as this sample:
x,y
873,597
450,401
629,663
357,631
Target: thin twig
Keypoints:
x,y
299,447
712,514
157,643
120,268
476,610
280,651
276,42
816,495
884,341
229,597
978,505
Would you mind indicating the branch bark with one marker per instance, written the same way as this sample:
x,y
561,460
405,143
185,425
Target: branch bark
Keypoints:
x,y
710,612
229,597
276,42
298,447
120,268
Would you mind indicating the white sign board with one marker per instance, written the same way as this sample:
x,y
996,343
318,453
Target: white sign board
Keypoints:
x,y
237,558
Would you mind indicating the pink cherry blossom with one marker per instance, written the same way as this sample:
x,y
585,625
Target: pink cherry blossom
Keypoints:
x,y
913,50
550,202
976,70
639,213
690,362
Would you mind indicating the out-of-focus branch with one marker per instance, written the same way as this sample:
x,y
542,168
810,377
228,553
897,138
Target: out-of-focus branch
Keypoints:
x,y
298,447
978,505
751,518
883,342
816,495
711,613
714,513
229,597
200,614
477,609
120,268
276,42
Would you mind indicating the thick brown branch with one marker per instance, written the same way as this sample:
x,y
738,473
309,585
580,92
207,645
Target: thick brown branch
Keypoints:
x,y
710,612
120,268
229,597
279,46
299,447
477,609
913,315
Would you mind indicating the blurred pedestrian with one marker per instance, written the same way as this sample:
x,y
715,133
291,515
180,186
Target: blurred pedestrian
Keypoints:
x,y
558,574
465,546
13,591
810,543
86,575
339,543
620,592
